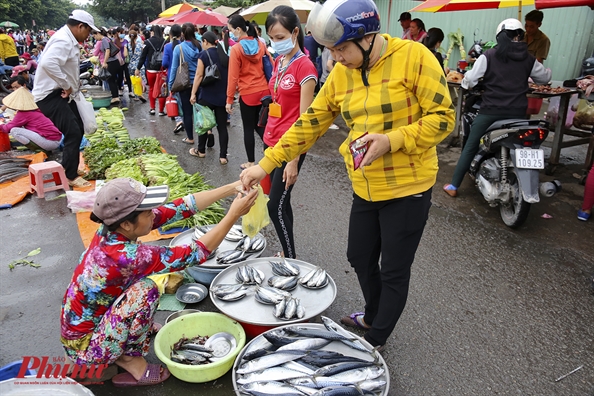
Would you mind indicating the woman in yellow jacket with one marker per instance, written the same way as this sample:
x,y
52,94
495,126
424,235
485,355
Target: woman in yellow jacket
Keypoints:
x,y
8,51
393,95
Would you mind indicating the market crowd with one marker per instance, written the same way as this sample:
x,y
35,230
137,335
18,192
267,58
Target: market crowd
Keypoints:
x,y
288,92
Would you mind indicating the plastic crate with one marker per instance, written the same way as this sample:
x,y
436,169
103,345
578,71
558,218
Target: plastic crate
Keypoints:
x,y
11,370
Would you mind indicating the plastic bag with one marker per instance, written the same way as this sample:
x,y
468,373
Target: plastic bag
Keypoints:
x,y
104,74
81,201
87,114
552,114
136,85
584,116
257,218
204,119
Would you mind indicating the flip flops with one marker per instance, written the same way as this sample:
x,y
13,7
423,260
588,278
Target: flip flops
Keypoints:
x,y
246,165
188,141
355,320
153,375
210,140
79,182
196,153
451,190
178,128
223,161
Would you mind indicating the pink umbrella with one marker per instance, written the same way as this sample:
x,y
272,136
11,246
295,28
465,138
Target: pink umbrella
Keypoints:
x,y
201,18
540,4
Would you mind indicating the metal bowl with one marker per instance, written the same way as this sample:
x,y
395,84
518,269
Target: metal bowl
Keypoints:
x,y
191,293
183,312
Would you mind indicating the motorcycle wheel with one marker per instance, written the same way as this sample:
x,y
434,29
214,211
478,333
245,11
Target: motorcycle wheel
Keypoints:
x,y
515,212
5,83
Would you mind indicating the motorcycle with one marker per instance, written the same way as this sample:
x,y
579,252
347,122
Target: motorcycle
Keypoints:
x,y
86,74
506,167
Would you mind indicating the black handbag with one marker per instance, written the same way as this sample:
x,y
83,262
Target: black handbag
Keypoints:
x,y
211,73
113,49
263,115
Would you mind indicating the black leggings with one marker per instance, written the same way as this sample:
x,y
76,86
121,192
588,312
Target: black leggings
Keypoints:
x,y
221,117
113,68
188,115
249,118
391,229
279,208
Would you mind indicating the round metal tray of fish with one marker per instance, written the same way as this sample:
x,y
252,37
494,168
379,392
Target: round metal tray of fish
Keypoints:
x,y
249,310
324,356
187,237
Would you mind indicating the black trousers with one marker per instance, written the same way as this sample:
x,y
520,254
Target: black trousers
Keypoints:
x,y
12,61
221,117
114,68
393,230
249,119
65,117
188,115
280,210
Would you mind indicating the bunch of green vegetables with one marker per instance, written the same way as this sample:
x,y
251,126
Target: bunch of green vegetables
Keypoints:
x,y
103,153
159,169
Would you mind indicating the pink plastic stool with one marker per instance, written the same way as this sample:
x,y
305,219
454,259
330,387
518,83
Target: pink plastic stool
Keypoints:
x,y
38,183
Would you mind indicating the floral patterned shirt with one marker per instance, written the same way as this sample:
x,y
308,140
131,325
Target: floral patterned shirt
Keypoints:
x,y
112,263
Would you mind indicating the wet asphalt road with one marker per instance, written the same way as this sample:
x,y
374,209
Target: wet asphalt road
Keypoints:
x,y
490,310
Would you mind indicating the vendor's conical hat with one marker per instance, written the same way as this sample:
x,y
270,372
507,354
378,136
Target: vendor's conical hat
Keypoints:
x,y
21,99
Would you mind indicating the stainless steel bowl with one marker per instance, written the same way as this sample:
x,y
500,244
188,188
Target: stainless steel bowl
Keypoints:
x,y
191,293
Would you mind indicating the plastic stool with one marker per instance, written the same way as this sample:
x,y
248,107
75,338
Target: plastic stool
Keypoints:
x,y
38,183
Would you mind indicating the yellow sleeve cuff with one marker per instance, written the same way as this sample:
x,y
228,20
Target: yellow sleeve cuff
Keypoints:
x,y
267,165
396,141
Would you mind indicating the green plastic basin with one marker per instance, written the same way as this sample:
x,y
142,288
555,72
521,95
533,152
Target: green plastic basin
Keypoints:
x,y
192,325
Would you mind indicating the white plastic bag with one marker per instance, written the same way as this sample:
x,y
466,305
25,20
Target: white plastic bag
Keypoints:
x,y
81,201
553,110
87,114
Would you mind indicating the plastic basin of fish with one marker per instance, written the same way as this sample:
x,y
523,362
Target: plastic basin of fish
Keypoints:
x,y
101,101
203,275
203,324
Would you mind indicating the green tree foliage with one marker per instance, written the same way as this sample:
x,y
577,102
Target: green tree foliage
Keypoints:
x,y
130,11
48,14
235,3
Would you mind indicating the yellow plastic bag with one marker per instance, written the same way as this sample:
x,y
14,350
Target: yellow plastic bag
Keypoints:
x,y
136,85
161,280
257,218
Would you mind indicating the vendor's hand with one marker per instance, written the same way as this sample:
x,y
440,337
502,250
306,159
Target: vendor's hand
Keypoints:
x,y
193,98
290,173
242,203
104,65
66,93
378,146
251,176
229,108
137,72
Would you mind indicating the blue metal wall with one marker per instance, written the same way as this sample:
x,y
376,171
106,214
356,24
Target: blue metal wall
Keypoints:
x,y
571,30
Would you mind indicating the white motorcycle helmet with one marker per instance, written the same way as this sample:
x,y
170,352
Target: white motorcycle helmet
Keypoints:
x,y
509,24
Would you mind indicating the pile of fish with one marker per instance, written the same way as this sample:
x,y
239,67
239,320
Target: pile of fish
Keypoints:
x,y
242,251
289,308
235,234
191,351
249,275
283,282
229,292
12,169
284,268
270,295
290,362
317,278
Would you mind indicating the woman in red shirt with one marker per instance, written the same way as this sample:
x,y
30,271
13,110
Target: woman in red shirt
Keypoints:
x,y
292,85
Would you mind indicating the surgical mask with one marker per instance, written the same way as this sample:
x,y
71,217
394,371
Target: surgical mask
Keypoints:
x,y
232,36
122,36
283,47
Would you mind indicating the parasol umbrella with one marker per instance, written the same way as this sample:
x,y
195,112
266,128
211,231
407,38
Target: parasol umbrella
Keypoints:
x,y
259,12
163,21
540,4
8,24
176,9
201,18
468,5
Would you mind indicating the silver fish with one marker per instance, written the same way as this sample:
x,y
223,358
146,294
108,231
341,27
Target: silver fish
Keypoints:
x,y
305,390
226,288
321,279
360,374
237,295
317,382
283,282
279,308
257,344
317,333
290,309
300,312
305,278
269,388
292,365
306,344
333,326
271,374
333,369
371,385
225,254
267,361
349,390
235,234
196,347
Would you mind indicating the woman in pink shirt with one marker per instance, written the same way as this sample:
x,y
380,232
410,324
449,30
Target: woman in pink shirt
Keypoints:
x,y
29,126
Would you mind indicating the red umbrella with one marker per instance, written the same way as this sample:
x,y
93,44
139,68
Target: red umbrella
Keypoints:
x,y
540,4
200,18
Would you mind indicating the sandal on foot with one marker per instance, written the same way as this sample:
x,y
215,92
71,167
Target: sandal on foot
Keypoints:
x,y
246,165
355,320
82,172
223,161
154,374
142,98
79,182
210,140
451,190
197,153
178,128
186,140
108,373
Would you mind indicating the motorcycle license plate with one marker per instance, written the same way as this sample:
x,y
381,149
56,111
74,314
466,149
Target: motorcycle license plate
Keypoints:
x,y
529,159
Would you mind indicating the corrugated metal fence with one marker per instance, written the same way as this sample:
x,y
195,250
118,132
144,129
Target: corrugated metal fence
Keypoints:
x,y
571,30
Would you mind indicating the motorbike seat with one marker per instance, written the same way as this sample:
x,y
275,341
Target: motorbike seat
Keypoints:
x,y
513,123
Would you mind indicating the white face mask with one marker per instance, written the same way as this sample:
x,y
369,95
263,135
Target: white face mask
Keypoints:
x,y
283,47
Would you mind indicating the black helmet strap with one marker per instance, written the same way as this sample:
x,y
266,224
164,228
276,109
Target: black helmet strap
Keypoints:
x,y
365,64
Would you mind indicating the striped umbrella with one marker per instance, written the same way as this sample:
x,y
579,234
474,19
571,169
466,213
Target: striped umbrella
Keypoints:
x,y
468,5
176,9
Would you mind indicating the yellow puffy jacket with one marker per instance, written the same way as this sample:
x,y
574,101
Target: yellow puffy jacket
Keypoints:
x,y
7,47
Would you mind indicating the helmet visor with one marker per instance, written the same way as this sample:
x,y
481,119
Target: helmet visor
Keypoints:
x,y
324,25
